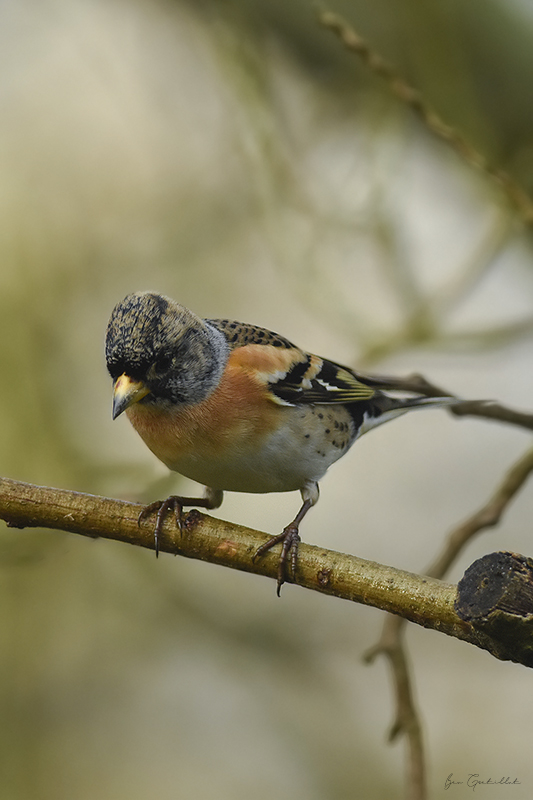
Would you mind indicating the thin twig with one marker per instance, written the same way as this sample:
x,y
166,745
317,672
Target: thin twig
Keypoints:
x,y
488,516
407,720
411,97
486,409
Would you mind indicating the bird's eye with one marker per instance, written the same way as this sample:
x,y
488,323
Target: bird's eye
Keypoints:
x,y
163,363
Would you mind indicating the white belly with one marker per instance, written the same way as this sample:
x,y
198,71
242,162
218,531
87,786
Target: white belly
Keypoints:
x,y
286,461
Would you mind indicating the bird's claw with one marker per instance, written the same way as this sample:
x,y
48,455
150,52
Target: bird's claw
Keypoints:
x,y
290,539
162,507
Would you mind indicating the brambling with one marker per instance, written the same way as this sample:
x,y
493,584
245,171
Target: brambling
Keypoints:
x,y
237,407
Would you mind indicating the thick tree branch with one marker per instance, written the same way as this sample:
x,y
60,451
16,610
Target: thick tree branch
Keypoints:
x,y
425,601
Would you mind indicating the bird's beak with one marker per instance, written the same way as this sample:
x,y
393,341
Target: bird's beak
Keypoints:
x,y
126,392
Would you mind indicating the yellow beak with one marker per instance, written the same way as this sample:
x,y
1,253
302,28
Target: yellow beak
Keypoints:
x,y
126,392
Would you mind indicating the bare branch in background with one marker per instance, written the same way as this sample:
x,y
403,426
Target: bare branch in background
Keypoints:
x,y
391,642
486,409
407,721
407,94
488,516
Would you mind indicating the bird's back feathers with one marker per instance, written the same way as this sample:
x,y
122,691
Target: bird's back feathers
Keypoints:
x,y
305,378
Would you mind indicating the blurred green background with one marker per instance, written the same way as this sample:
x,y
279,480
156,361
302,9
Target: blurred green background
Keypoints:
x,y
234,157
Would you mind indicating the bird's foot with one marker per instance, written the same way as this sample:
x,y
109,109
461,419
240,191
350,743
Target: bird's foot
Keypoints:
x,y
162,507
290,539
176,503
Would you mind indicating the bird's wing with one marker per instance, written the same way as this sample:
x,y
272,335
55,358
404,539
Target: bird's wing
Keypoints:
x,y
290,375
312,379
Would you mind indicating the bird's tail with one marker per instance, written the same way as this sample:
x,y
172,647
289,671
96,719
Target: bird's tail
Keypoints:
x,y
382,407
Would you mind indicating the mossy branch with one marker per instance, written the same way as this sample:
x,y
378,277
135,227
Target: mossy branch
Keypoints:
x,y
422,600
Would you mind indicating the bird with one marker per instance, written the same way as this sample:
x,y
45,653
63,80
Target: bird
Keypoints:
x,y
238,408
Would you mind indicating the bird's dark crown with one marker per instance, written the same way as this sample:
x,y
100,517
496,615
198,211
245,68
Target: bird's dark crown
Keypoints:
x,y
153,339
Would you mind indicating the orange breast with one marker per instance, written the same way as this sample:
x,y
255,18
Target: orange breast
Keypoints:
x,y
236,418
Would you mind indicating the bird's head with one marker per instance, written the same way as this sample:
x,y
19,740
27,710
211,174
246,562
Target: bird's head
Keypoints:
x,y
159,352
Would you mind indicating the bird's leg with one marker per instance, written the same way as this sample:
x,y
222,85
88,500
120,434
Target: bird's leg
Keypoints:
x,y
289,551
212,499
